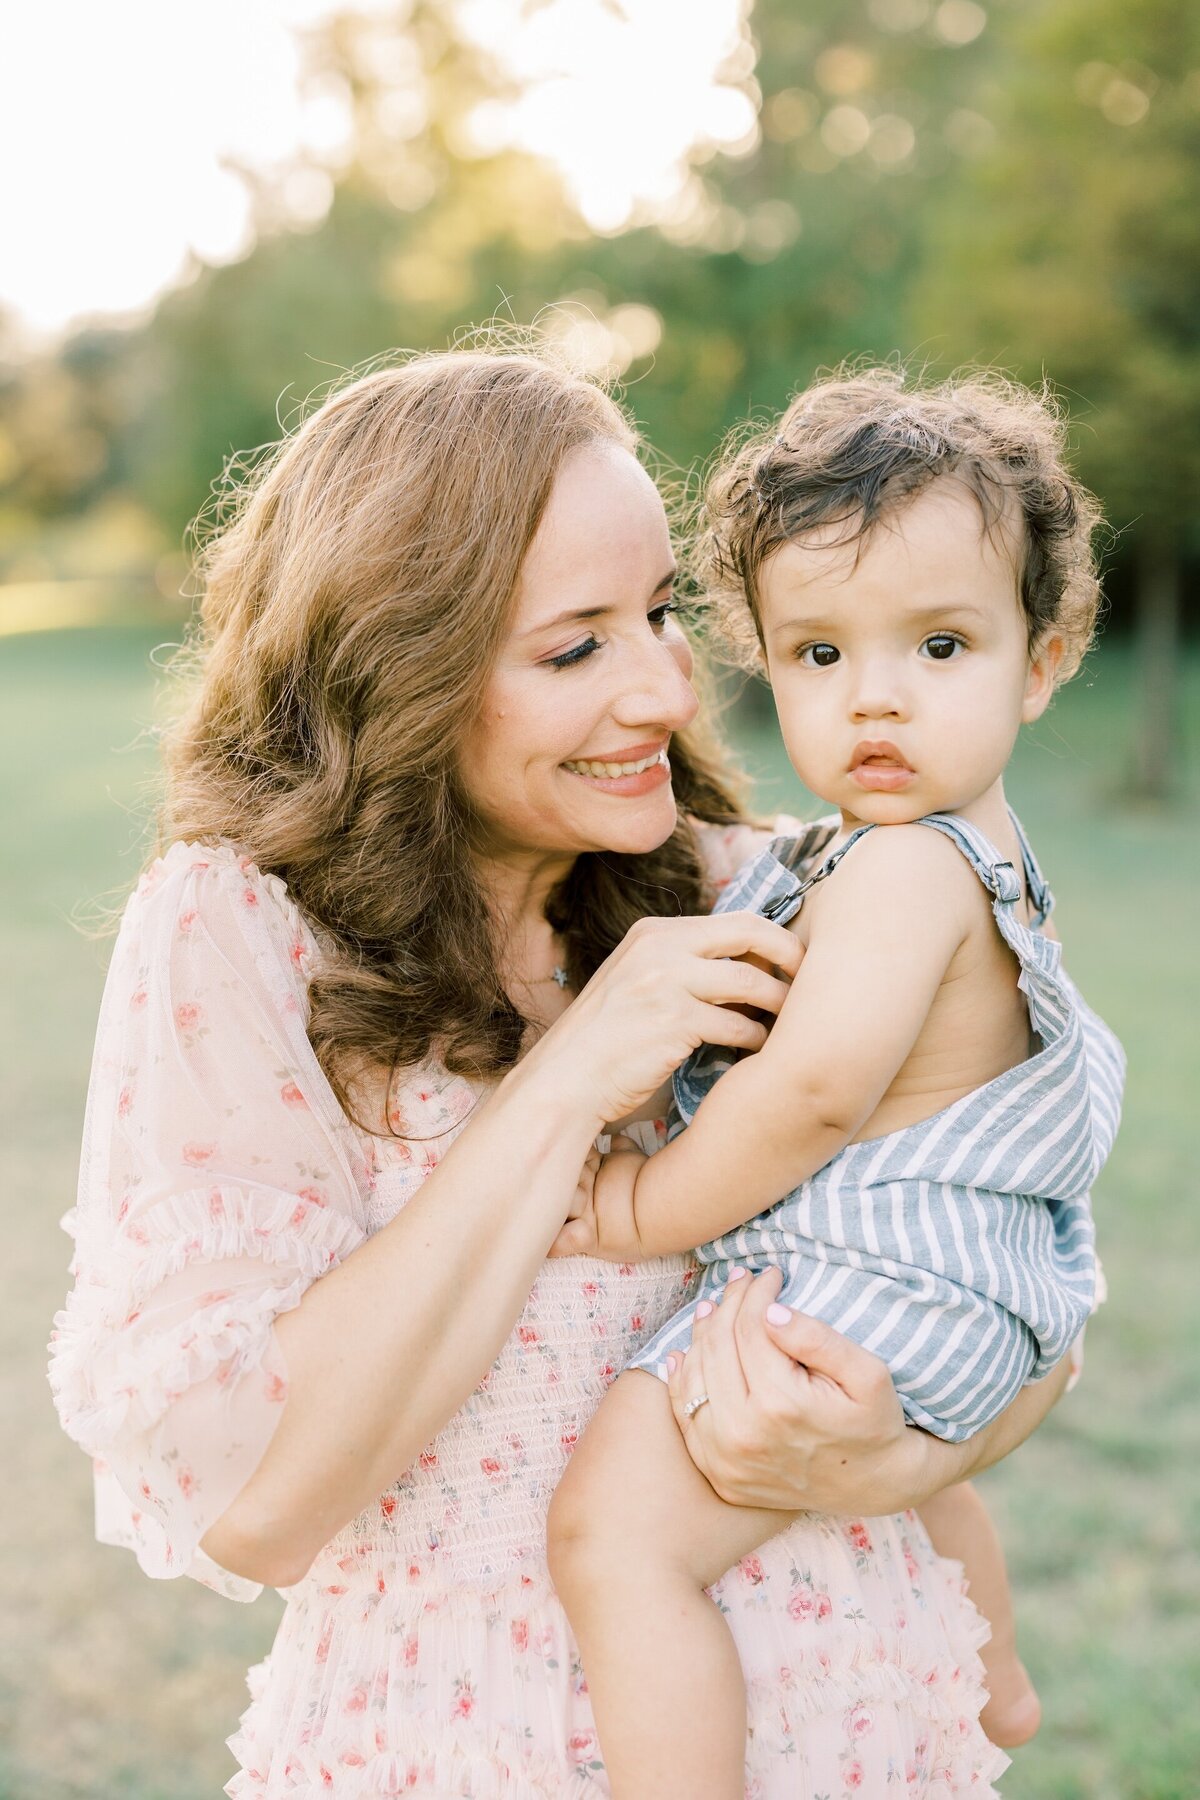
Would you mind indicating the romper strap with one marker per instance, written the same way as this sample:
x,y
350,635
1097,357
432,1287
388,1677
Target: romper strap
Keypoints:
x,y
786,905
1041,980
996,872
1040,898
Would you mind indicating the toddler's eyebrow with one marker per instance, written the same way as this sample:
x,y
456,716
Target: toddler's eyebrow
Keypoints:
x,y
953,609
917,615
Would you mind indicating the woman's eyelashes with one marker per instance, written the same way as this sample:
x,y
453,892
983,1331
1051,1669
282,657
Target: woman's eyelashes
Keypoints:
x,y
658,616
577,654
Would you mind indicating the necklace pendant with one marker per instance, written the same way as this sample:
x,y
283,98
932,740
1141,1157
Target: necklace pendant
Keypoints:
x,y
559,975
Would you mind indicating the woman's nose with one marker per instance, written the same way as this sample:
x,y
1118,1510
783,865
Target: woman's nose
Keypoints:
x,y
657,689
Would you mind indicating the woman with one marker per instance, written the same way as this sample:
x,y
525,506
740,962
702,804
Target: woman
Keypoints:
x,y
365,1019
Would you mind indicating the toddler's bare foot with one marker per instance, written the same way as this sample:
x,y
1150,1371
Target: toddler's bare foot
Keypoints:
x,y
1013,1712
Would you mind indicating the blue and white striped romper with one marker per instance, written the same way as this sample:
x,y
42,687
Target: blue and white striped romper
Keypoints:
x,y
960,1249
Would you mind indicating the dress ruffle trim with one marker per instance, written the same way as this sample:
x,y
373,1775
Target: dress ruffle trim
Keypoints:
x,y
227,1222
102,1388
364,1746
104,1377
951,1755
951,1758
455,1763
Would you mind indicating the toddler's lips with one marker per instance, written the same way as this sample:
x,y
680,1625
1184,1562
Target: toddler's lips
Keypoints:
x,y
881,778
879,767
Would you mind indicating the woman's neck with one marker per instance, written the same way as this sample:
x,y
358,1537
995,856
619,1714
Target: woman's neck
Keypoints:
x,y
517,889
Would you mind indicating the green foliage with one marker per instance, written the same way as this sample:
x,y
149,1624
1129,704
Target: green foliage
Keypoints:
x,y
1073,247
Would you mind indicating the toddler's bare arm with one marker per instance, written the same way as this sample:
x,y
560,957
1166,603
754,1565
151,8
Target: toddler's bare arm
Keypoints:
x,y
881,938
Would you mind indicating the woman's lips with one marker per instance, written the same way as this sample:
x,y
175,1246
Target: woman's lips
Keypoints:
x,y
645,767
879,768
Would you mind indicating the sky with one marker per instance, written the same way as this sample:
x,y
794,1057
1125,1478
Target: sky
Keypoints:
x,y
119,123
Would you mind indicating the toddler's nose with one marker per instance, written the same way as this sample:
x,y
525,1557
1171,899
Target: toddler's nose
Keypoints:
x,y
878,694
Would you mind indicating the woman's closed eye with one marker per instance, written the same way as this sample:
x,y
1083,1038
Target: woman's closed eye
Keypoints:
x,y
658,616
576,654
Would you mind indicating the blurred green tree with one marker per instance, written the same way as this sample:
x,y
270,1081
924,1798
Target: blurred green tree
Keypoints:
x,y
1072,246
425,231
796,252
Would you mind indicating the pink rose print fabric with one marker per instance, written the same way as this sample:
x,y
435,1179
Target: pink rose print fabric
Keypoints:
x,y
425,1651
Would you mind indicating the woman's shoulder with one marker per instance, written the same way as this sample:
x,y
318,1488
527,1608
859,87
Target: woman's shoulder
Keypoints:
x,y
727,848
216,885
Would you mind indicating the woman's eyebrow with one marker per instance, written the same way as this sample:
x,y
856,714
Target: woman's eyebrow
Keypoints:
x,y
567,618
578,614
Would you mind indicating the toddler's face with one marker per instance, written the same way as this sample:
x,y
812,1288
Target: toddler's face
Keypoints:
x,y
901,679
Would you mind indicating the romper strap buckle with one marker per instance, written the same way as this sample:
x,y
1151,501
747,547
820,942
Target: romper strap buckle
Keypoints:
x,y
1003,881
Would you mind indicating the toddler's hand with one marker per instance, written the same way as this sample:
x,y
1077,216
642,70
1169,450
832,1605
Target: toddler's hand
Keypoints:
x,y
600,1221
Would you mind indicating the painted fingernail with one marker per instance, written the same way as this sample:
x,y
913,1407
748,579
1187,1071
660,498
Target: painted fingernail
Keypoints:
x,y
778,1315
672,1363
703,1310
737,1274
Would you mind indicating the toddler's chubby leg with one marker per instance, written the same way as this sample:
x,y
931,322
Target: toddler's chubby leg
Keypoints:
x,y
635,1535
961,1527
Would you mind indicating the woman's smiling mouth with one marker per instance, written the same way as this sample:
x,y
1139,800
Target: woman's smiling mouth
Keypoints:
x,y
646,768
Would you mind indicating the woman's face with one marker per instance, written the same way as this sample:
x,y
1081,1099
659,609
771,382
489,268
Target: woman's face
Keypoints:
x,y
569,752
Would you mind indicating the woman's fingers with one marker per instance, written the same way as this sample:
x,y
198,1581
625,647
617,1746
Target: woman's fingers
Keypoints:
x,y
734,983
728,934
766,1364
828,1356
731,1029
797,1415
710,1367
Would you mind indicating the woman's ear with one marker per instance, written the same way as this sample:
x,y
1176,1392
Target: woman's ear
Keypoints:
x,y
1044,663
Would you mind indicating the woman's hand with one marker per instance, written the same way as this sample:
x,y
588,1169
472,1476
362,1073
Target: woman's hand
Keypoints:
x,y
799,1417
669,986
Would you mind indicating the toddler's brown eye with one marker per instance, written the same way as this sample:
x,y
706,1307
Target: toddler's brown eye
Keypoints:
x,y
820,656
942,647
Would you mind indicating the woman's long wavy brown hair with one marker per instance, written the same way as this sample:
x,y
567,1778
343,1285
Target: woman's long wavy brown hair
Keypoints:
x,y
352,608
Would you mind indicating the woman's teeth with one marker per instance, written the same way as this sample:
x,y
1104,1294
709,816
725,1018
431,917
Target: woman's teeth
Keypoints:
x,y
612,769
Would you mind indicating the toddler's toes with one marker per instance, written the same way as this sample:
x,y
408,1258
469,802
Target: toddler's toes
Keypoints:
x,y
1013,1712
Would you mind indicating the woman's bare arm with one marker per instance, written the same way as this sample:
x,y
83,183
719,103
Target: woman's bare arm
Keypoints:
x,y
801,1417
384,1349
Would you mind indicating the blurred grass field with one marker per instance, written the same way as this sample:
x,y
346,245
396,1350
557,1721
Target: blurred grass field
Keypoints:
x,y
115,1688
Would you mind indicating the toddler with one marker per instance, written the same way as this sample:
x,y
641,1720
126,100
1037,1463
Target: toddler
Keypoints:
x,y
935,1099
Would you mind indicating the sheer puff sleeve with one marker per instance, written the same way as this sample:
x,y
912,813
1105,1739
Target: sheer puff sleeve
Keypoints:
x,y
219,1178
726,847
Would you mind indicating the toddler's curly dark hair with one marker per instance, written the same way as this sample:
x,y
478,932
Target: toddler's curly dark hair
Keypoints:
x,y
858,444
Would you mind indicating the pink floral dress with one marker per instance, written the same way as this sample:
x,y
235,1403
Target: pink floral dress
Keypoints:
x,y
425,1651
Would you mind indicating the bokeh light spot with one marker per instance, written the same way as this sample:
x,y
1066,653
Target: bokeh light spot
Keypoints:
x,y
959,21
846,130
898,15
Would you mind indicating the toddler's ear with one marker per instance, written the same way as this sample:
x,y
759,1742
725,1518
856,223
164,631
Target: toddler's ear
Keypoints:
x,y
1044,664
